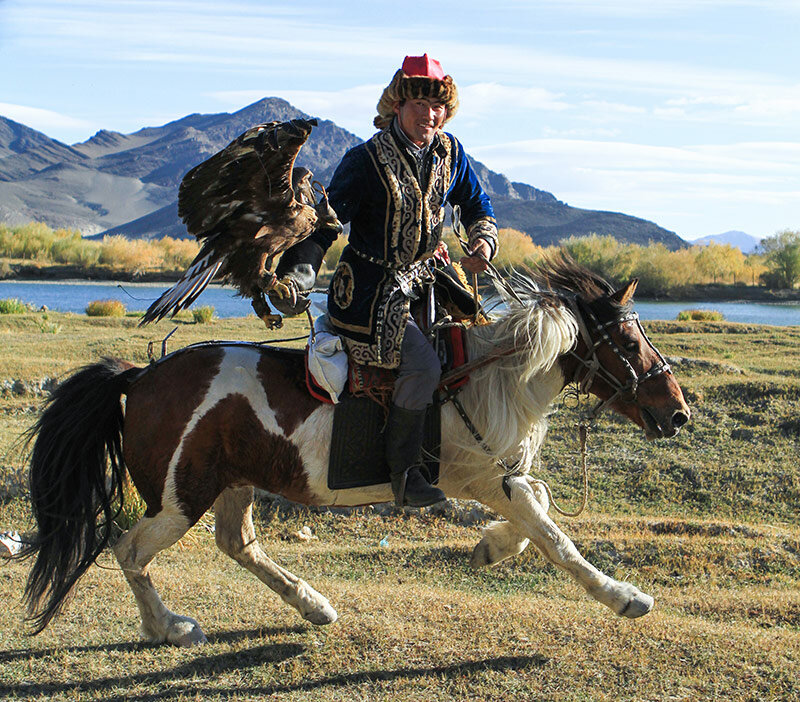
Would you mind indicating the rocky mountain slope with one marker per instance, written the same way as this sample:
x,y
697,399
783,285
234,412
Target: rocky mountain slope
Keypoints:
x,y
128,183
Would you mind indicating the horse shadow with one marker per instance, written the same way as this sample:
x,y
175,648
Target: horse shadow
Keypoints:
x,y
189,678
200,666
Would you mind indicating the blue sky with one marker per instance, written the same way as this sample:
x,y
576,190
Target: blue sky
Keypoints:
x,y
684,112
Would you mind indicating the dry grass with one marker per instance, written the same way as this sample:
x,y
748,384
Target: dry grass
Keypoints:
x,y
707,523
415,624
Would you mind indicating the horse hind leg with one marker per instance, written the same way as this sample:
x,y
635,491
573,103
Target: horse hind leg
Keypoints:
x,y
236,537
134,551
500,540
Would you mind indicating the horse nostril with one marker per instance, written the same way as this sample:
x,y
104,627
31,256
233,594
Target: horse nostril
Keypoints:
x,y
679,419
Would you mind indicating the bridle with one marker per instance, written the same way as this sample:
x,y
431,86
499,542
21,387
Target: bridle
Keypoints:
x,y
589,369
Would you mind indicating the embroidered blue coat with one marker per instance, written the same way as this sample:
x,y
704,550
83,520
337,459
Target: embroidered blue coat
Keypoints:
x,y
392,225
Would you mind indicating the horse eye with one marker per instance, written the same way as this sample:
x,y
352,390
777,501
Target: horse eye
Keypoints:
x,y
631,346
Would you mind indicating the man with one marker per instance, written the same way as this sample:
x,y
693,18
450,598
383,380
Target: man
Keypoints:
x,y
393,190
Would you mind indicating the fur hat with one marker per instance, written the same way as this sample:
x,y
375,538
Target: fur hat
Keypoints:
x,y
420,77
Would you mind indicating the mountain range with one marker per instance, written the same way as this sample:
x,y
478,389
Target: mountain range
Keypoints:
x,y
745,242
127,184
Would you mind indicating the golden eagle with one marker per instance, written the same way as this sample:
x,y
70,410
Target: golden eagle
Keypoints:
x,y
246,205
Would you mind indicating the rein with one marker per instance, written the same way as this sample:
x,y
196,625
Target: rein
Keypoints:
x,y
509,471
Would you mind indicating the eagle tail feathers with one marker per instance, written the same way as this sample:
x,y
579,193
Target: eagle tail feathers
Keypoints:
x,y
185,291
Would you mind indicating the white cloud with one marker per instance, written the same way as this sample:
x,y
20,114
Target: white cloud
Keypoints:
x,y
751,186
581,133
747,104
41,119
490,98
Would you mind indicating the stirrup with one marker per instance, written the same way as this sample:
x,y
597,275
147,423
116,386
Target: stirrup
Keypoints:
x,y
434,495
400,495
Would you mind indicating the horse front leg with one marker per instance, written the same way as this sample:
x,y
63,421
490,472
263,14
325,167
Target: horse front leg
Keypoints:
x,y
134,551
236,536
527,514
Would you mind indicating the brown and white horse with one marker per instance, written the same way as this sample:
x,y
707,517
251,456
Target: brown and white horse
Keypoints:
x,y
205,424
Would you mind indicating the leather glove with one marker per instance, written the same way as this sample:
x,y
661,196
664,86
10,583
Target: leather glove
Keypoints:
x,y
287,298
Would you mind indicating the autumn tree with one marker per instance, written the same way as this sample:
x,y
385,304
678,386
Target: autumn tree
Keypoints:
x,y
754,267
516,248
718,261
603,254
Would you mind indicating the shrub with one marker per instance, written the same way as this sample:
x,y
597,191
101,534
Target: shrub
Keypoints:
x,y
48,327
515,249
12,305
134,255
72,248
203,315
700,316
105,308
176,254
31,241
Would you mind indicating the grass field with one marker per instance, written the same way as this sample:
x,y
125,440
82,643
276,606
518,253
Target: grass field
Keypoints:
x,y
706,522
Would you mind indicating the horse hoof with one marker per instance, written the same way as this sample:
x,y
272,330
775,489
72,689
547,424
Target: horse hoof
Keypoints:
x,y
480,556
322,615
186,633
639,605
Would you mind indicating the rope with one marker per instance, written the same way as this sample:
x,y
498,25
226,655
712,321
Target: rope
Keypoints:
x,y
583,431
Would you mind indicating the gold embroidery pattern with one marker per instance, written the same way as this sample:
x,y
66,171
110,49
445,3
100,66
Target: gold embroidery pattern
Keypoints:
x,y
343,284
390,328
415,215
406,199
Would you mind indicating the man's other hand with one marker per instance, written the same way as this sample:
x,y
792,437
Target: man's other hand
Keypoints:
x,y
474,264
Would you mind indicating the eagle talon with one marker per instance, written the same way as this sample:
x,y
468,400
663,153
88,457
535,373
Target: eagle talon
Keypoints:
x,y
273,321
264,313
285,289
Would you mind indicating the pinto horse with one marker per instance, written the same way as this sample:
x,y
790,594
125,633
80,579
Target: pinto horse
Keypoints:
x,y
204,425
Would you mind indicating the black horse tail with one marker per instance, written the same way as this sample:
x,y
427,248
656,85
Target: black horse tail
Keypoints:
x,y
74,499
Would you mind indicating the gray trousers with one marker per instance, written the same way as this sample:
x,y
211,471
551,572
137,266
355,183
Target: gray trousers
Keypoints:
x,y
419,370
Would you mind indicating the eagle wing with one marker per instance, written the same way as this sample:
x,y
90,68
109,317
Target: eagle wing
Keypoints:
x,y
241,188
240,204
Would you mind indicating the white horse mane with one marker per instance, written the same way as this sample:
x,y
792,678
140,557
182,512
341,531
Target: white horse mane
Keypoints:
x,y
509,398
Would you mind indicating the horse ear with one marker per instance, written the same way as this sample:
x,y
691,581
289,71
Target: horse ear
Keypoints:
x,y
624,295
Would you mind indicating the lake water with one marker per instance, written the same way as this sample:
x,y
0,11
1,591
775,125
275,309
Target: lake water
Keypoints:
x,y
74,296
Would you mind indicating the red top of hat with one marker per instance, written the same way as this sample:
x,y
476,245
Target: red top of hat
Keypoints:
x,y
423,66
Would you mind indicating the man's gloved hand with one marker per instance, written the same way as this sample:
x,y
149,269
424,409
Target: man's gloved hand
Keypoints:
x,y
286,297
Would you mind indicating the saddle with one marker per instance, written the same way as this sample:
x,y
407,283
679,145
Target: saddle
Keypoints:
x,y
357,455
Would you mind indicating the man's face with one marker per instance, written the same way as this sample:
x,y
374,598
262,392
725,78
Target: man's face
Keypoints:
x,y
420,119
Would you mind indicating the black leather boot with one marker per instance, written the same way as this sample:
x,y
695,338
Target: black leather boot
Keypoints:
x,y
405,431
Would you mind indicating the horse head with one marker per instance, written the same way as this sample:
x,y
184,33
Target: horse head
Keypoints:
x,y
613,358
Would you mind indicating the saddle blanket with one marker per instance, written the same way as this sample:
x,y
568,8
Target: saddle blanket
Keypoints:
x,y
358,444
